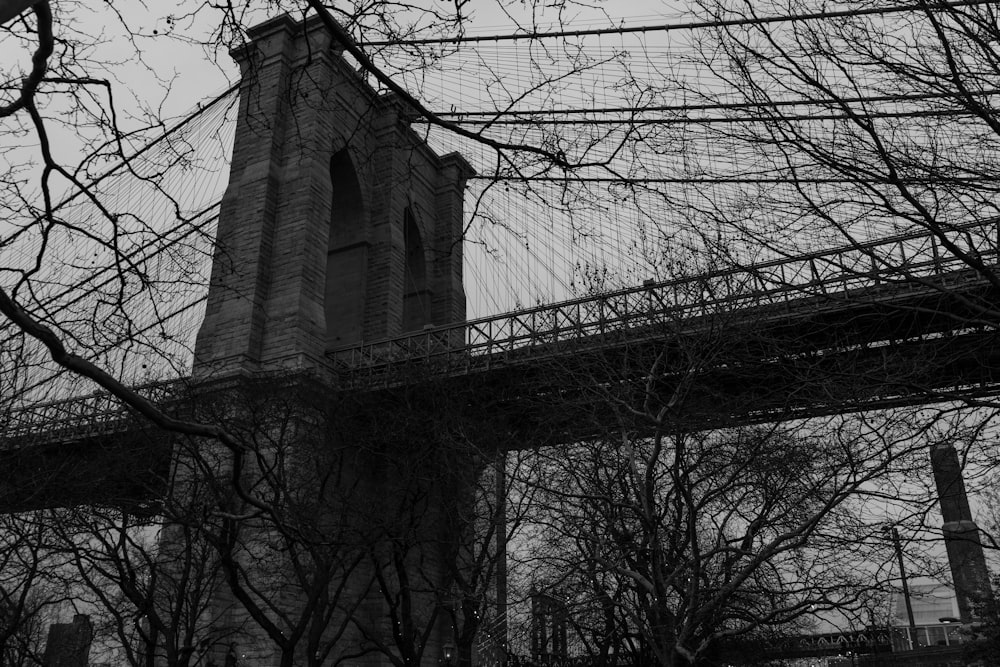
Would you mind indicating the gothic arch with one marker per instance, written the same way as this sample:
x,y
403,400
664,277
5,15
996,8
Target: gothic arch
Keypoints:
x,y
416,293
346,255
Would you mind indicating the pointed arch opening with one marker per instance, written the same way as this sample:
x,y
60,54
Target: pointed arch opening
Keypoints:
x,y
416,295
346,256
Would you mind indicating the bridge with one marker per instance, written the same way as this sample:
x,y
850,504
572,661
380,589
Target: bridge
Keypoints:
x,y
354,284
904,296
916,301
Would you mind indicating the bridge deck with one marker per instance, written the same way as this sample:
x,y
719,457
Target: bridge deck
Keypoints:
x,y
906,291
908,266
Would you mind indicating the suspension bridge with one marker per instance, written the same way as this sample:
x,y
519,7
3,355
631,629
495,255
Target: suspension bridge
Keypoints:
x,y
357,281
891,300
901,319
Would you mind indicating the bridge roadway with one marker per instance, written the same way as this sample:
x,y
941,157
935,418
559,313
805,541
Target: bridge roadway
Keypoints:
x,y
899,321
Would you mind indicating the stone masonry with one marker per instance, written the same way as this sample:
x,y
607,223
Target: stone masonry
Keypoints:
x,y
335,217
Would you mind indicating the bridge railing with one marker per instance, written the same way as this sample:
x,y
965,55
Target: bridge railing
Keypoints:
x,y
532,333
833,274
77,416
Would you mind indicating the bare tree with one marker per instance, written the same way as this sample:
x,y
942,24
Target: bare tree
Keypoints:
x,y
288,547
151,583
438,524
127,326
883,146
31,590
675,525
102,280
862,125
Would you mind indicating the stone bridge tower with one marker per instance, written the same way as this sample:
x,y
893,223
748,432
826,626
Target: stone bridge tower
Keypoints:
x,y
339,224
